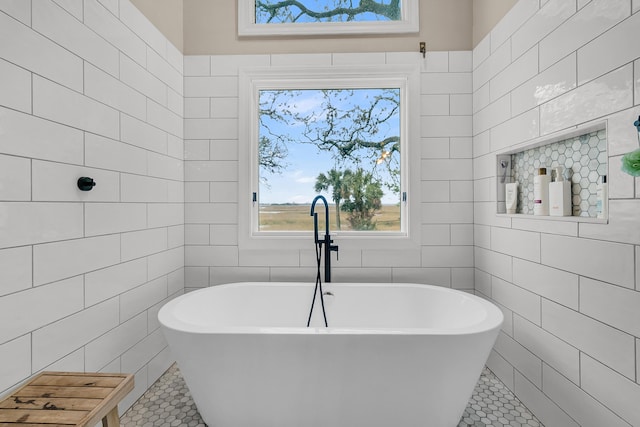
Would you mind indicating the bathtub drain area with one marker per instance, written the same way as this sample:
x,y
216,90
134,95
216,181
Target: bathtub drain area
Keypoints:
x,y
168,403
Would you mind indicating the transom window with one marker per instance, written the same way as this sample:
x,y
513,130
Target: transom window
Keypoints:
x,y
279,12
285,17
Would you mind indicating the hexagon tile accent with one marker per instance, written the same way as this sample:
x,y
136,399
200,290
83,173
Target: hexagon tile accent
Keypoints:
x,y
584,159
168,403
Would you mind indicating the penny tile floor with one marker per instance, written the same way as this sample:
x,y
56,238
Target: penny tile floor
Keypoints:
x,y
168,403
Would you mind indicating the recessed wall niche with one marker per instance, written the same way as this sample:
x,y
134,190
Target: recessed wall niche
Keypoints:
x,y
583,155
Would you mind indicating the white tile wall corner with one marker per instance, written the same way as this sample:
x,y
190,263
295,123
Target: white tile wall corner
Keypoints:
x,y
85,272
567,287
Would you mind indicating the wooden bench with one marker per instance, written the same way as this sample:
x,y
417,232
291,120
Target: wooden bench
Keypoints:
x,y
62,399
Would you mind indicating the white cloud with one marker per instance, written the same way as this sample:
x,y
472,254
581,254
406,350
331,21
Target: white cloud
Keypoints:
x,y
299,177
306,179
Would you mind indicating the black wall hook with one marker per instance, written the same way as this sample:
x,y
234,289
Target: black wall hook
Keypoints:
x,y
85,183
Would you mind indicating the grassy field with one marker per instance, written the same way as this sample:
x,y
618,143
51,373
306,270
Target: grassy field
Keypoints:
x,y
298,218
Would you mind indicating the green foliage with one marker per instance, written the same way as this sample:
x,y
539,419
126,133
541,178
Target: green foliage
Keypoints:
x,y
362,194
334,180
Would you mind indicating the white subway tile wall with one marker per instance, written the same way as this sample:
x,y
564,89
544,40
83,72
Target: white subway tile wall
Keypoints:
x,y
110,97
569,289
89,89
212,166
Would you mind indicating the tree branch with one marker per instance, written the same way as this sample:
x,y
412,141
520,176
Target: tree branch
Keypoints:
x,y
390,11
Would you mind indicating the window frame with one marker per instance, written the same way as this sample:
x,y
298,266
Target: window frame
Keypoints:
x,y
407,24
252,80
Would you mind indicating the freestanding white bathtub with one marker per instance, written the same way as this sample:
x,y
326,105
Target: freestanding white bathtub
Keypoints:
x,y
394,355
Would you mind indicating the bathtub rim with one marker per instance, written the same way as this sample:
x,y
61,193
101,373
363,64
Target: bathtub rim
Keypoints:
x,y
493,320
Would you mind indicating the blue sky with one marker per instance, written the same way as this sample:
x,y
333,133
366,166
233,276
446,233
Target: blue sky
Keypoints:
x,y
305,161
295,185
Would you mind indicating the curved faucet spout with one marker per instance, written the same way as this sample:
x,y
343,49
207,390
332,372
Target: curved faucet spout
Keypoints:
x,y
326,215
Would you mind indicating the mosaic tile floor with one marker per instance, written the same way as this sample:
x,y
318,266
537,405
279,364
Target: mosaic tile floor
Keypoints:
x,y
168,403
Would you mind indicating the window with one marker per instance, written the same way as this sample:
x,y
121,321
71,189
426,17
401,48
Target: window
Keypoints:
x,y
278,17
343,143
342,133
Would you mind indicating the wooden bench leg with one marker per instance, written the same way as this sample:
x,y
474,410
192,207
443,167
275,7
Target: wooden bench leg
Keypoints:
x,y
112,419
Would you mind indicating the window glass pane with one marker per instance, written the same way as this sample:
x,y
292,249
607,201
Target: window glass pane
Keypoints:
x,y
343,143
302,11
